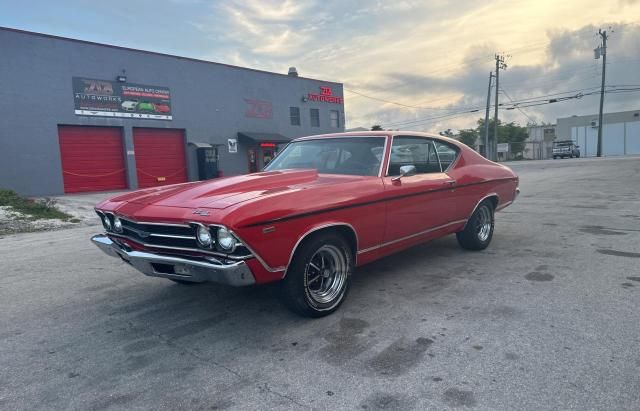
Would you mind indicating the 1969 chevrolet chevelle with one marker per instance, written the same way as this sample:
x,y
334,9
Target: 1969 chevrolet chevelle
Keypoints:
x,y
325,205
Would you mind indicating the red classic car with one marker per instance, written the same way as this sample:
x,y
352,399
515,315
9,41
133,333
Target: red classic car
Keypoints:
x,y
161,108
324,205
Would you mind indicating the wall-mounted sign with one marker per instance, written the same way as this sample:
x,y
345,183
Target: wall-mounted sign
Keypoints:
x,y
502,147
232,145
258,109
326,95
106,98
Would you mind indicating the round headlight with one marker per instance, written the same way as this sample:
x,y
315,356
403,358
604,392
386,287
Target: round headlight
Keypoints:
x,y
226,240
117,224
204,237
106,221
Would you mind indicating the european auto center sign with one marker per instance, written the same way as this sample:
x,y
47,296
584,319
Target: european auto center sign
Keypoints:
x,y
106,98
326,95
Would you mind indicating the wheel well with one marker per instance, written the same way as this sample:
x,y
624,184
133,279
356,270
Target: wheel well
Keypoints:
x,y
494,201
345,231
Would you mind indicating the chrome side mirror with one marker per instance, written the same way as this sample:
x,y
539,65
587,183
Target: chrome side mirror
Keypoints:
x,y
405,171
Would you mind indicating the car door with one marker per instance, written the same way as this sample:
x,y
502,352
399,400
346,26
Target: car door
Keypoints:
x,y
420,203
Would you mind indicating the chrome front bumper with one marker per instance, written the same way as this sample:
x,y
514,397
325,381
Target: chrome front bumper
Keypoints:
x,y
178,268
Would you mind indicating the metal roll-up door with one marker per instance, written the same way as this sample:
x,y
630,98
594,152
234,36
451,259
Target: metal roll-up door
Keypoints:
x,y
92,158
160,156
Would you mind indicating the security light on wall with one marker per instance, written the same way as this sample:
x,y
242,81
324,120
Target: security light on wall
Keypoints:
x,y
304,99
122,78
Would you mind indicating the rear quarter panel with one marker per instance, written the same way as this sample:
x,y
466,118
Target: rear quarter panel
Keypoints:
x,y
477,178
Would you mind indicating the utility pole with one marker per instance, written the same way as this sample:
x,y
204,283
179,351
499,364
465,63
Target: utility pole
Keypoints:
x,y
500,64
486,119
601,51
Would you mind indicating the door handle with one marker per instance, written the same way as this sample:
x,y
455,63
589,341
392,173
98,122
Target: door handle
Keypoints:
x,y
450,183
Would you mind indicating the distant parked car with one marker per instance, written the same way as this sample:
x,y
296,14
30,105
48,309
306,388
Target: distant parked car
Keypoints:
x,y
145,106
161,108
129,105
565,148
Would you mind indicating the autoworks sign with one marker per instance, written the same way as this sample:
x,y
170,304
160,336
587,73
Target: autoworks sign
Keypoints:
x,y
106,98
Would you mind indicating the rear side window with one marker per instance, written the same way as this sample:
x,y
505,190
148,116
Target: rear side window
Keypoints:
x,y
447,153
415,151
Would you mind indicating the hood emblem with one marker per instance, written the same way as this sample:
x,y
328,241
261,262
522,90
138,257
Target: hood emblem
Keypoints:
x,y
200,212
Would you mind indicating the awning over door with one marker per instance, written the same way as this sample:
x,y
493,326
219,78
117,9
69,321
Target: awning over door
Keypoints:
x,y
200,145
263,137
196,144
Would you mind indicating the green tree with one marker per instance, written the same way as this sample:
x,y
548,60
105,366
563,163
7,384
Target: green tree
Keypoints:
x,y
377,128
511,133
469,137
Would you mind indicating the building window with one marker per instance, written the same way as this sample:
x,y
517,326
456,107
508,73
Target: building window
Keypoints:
x,y
334,116
315,117
294,115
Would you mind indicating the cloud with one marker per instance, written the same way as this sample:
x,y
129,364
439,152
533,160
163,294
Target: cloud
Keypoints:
x,y
434,54
567,63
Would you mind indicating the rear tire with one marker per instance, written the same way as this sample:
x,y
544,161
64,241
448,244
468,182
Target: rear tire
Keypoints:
x,y
478,231
319,276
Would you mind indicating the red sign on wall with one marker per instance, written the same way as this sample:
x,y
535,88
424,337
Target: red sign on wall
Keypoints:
x,y
258,109
326,95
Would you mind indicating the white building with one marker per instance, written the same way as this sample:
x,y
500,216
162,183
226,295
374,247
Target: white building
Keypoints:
x,y
539,144
620,133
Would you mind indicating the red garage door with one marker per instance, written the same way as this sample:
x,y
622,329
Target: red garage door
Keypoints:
x,y
160,156
92,158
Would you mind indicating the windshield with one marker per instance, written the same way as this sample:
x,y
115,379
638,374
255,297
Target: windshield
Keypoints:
x,y
359,156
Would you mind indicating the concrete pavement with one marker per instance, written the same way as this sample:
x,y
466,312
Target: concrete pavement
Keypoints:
x,y
545,318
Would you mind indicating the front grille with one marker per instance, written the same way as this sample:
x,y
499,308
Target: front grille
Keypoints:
x,y
174,238
161,235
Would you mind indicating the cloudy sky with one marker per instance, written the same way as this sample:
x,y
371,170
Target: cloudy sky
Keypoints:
x,y
420,65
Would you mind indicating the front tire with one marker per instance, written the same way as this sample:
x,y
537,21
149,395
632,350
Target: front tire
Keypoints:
x,y
182,282
319,276
478,232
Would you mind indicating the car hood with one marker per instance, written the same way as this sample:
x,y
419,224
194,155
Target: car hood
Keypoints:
x,y
225,192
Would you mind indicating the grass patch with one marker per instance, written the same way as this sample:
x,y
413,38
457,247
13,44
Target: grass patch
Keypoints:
x,y
32,209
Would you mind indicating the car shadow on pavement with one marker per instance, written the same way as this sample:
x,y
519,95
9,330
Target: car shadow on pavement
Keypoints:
x,y
178,311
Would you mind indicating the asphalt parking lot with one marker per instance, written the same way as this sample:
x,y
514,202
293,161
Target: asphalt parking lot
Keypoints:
x,y
547,318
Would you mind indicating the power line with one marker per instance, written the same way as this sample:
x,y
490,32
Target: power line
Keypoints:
x,y
420,107
531,102
518,108
439,70
393,102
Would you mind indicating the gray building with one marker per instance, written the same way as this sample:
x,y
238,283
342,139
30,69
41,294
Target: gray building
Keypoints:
x,y
620,133
81,116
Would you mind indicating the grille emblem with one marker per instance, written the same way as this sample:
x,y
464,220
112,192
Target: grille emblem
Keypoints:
x,y
200,212
140,233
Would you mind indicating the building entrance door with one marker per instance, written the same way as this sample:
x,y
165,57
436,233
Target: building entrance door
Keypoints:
x,y
207,163
253,161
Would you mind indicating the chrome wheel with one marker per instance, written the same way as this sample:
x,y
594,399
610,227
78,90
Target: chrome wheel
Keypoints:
x,y
326,274
484,223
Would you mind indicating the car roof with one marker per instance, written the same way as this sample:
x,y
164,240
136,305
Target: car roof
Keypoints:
x,y
384,133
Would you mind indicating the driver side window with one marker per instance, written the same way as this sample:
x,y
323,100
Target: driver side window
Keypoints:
x,y
415,151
